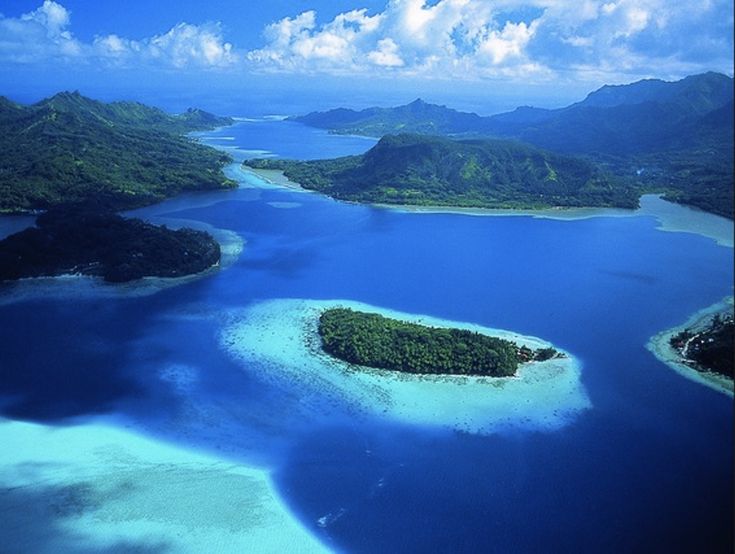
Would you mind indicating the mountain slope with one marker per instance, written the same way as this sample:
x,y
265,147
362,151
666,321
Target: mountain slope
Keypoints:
x,y
426,170
71,149
672,137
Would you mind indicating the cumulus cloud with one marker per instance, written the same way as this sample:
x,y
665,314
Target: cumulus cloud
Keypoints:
x,y
527,38
410,36
45,35
458,39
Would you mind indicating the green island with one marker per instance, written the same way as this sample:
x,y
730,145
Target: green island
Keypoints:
x,y
654,136
710,347
69,149
80,161
372,340
478,173
104,245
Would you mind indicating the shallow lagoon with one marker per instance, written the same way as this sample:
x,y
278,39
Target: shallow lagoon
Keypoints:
x,y
646,466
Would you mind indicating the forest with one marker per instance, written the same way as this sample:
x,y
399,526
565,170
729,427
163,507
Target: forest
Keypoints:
x,y
373,340
78,241
70,149
485,173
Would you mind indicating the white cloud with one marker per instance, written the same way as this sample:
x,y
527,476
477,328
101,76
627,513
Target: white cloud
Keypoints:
x,y
52,16
386,54
469,39
522,40
449,37
44,35
186,45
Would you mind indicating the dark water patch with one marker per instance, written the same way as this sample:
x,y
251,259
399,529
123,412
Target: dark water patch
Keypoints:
x,y
422,492
61,360
640,277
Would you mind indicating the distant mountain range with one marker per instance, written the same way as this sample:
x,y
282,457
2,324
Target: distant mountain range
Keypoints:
x,y
432,170
71,149
672,137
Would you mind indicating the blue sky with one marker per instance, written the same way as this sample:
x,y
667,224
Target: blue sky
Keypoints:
x,y
545,52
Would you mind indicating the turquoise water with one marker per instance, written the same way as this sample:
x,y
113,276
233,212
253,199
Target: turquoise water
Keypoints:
x,y
647,466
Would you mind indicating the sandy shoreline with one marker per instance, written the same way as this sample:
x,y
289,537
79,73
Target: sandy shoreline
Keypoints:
x,y
277,178
660,346
671,217
542,396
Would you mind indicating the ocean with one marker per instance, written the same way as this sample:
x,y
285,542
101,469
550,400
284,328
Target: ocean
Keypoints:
x,y
641,461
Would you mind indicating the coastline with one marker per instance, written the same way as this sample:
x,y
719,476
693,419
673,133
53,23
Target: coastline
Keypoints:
x,y
541,396
660,347
671,217
276,178
79,286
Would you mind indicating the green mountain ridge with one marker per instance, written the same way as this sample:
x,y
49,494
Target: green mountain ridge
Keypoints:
x,y
671,137
72,149
431,170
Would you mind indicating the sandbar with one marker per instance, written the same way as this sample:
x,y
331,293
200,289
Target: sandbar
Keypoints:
x,y
96,487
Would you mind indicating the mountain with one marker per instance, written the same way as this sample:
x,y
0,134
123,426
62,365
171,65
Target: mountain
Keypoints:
x,y
647,116
71,149
416,117
432,170
673,137
697,94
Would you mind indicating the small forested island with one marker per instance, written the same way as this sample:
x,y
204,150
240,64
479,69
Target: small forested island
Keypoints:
x,y
437,171
372,340
80,241
709,348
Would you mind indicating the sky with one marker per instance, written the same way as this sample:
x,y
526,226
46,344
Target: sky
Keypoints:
x,y
488,55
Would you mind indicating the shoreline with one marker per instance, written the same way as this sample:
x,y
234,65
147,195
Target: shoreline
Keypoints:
x,y
671,217
541,396
661,348
80,286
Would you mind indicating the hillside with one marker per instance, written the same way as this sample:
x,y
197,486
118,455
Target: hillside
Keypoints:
x,y
672,137
426,170
70,149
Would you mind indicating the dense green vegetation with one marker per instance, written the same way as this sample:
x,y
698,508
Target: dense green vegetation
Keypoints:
x,y
416,117
430,170
106,245
69,148
376,341
710,349
675,138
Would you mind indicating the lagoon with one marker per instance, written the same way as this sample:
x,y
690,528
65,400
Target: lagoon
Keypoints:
x,y
643,460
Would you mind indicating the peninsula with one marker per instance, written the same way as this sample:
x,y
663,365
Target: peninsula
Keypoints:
x,y
703,348
373,340
70,149
674,138
437,171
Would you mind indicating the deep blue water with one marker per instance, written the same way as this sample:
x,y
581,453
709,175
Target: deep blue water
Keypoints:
x,y
647,468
